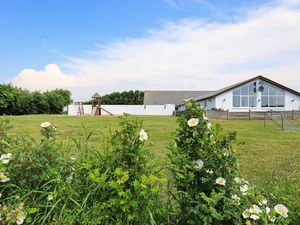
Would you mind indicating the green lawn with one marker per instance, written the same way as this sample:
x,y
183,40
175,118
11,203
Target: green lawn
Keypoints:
x,y
261,153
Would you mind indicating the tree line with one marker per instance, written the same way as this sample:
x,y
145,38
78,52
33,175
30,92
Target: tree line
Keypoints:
x,y
18,101
123,98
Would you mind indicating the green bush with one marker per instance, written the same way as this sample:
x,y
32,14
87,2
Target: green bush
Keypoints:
x,y
130,187
43,182
204,168
17,101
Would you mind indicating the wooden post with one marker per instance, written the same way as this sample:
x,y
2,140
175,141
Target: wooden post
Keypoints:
x,y
227,114
271,113
293,114
282,121
265,119
249,114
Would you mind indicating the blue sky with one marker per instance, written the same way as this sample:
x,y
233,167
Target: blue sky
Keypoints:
x,y
79,39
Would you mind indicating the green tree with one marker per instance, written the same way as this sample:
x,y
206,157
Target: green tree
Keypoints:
x,y
18,101
123,98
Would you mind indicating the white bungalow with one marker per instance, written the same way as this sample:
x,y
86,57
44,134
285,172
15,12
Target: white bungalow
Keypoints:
x,y
256,94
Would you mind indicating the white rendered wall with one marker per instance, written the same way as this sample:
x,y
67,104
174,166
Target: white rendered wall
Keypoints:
x,y
209,103
292,101
224,101
130,109
73,110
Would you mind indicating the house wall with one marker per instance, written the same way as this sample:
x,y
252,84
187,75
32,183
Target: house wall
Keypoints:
x,y
73,109
224,101
130,109
209,103
292,101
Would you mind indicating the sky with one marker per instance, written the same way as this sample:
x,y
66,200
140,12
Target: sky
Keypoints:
x,y
90,46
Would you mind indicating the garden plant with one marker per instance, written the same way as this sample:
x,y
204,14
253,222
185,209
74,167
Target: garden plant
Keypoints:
x,y
120,182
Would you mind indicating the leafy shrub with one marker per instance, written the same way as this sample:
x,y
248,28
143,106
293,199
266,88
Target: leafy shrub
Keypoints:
x,y
130,188
120,183
208,190
18,101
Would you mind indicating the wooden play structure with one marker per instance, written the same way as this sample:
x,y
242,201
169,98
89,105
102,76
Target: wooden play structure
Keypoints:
x,y
96,106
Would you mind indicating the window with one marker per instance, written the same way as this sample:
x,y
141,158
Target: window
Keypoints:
x,y
244,96
272,97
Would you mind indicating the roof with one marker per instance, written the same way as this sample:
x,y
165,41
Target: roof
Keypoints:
x,y
96,95
170,97
228,88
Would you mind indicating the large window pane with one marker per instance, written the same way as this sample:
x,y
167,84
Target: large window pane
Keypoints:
x,y
237,92
280,101
245,102
236,101
272,101
252,101
272,91
266,90
252,89
264,101
245,90
280,92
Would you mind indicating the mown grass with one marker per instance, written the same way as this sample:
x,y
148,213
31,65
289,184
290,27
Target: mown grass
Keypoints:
x,y
262,153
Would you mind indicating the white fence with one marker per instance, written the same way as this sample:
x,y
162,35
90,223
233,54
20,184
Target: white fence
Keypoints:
x,y
130,109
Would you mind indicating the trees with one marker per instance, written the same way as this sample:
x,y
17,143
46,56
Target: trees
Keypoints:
x,y
124,98
18,101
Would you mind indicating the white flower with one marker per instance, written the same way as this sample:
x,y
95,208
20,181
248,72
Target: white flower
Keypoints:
x,y
20,218
209,125
226,153
5,158
236,199
50,197
45,124
268,210
263,202
254,217
193,122
143,135
281,210
245,181
209,171
255,209
272,219
205,117
221,181
237,180
246,213
244,188
188,99
3,178
199,164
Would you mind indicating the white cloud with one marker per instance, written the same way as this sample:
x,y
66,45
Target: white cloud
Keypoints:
x,y
50,78
189,54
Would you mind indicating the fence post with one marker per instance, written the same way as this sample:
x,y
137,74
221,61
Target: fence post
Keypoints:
x,y
265,119
271,113
293,114
227,114
249,114
282,120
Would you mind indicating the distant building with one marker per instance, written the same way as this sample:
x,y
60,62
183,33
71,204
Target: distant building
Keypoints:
x,y
258,94
171,97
